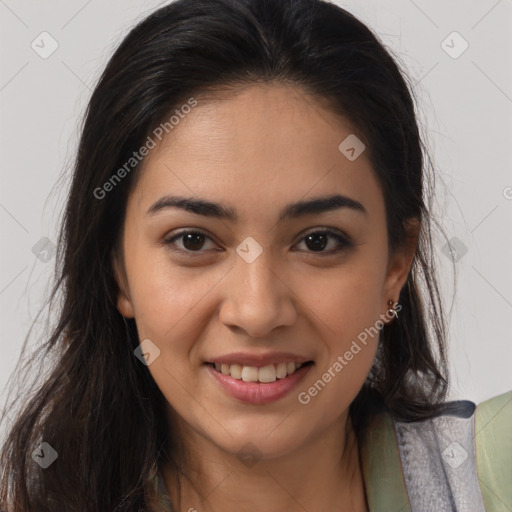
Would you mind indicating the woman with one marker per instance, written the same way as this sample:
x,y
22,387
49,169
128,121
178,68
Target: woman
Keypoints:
x,y
242,324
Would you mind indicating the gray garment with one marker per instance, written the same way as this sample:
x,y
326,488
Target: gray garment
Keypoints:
x,y
439,461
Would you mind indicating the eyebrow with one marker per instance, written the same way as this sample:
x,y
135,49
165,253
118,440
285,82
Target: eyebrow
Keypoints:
x,y
291,211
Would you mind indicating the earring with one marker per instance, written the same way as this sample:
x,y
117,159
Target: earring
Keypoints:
x,y
392,311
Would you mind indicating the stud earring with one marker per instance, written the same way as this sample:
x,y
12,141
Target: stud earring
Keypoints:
x,y
392,311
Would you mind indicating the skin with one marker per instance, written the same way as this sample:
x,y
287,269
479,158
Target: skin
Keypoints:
x,y
257,150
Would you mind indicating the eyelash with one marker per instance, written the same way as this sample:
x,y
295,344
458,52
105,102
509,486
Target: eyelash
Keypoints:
x,y
342,240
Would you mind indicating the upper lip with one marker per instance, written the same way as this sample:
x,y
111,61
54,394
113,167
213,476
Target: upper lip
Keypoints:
x,y
258,360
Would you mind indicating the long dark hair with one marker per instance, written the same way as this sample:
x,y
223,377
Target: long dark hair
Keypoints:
x,y
96,405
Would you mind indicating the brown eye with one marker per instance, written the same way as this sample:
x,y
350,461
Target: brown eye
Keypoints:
x,y
191,241
317,241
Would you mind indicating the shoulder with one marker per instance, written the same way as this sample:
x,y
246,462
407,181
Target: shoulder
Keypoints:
x,y
493,441
459,458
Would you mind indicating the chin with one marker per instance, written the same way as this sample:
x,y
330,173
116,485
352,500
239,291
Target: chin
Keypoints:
x,y
259,440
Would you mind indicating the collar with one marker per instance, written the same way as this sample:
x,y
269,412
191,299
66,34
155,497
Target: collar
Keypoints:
x,y
382,468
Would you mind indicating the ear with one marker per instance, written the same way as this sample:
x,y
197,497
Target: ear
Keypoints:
x,y
124,303
400,262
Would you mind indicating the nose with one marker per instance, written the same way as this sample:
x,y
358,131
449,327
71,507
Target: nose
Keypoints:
x,y
257,298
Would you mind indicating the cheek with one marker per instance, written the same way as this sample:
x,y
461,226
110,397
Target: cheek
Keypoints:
x,y
164,295
345,301
351,342
346,312
172,309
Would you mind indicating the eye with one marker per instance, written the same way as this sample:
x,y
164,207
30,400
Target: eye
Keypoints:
x,y
191,241
318,240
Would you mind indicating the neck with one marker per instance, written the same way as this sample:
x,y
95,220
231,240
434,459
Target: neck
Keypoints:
x,y
322,474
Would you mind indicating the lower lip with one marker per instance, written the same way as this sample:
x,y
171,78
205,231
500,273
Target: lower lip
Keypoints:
x,y
255,392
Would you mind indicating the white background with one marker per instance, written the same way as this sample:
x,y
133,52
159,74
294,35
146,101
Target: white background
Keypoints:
x,y
466,113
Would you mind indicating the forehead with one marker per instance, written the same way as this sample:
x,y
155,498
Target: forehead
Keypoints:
x,y
258,146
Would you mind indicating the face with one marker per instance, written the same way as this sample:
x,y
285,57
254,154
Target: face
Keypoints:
x,y
258,290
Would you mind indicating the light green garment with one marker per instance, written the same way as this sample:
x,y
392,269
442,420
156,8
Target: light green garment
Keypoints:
x,y
462,463
489,466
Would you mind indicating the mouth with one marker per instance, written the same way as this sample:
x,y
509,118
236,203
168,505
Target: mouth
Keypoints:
x,y
262,375
258,385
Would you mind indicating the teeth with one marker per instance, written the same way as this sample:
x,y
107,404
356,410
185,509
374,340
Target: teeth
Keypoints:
x,y
235,370
281,370
267,373
249,374
264,374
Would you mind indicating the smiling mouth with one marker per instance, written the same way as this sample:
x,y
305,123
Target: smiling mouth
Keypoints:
x,y
264,374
